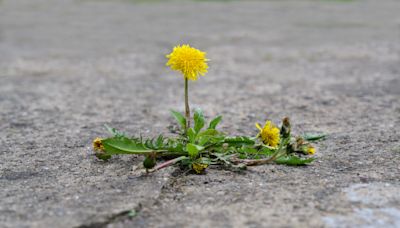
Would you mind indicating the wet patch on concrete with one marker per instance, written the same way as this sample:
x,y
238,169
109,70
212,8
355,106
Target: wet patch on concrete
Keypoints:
x,y
374,205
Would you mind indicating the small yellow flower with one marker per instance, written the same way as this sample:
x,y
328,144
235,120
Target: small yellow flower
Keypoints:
x,y
188,60
97,144
269,134
199,167
311,150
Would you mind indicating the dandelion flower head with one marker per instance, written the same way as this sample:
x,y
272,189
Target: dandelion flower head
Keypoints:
x,y
97,144
190,61
269,134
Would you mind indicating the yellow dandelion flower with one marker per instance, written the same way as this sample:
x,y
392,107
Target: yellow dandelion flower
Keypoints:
x,y
311,150
199,167
190,61
269,134
97,144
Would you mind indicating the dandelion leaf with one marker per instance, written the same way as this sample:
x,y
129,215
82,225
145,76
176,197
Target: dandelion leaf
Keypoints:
x,y
293,160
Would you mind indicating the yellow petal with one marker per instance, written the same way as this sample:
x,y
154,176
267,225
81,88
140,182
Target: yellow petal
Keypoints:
x,y
258,126
199,167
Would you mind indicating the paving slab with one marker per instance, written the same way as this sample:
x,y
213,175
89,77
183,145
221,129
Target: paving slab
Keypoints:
x,y
69,67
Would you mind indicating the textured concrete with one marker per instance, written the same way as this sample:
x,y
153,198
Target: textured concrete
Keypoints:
x,y
69,67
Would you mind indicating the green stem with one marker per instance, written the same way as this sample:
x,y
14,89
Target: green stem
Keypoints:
x,y
187,109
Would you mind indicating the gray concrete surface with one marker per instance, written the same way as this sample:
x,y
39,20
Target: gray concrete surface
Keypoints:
x,y
68,67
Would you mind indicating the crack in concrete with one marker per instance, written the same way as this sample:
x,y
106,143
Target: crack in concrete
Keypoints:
x,y
111,219
148,204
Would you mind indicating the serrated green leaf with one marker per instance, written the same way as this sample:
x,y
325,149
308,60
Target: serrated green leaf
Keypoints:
x,y
239,140
204,160
123,145
193,149
179,118
203,140
154,143
175,146
217,139
114,131
198,120
148,143
213,124
293,160
160,141
314,137
267,151
191,134
208,136
103,156
208,132
225,158
249,150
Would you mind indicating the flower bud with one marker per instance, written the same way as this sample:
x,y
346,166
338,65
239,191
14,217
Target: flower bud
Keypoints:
x,y
285,129
150,161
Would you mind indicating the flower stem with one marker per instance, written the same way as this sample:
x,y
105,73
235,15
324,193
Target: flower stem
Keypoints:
x,y
167,163
187,109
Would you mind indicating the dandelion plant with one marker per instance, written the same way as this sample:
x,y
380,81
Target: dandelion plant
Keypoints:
x,y
203,145
191,63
